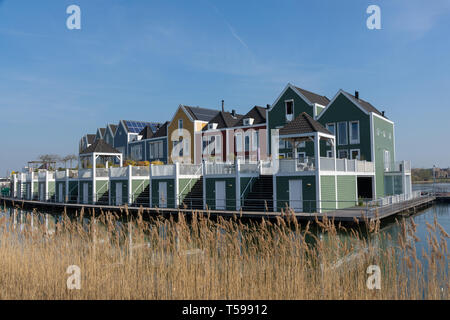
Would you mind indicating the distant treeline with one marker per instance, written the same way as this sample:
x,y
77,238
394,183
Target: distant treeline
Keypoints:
x,y
423,175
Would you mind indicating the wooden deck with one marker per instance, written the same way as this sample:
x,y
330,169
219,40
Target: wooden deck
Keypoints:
x,y
354,214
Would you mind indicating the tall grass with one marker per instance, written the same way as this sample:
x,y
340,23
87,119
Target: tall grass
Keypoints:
x,y
156,258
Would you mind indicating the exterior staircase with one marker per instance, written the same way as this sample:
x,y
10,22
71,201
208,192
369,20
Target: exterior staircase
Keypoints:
x,y
194,198
260,196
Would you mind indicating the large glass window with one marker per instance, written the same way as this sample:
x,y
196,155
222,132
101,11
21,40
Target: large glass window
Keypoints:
x,y
255,140
342,133
332,128
289,109
354,132
238,143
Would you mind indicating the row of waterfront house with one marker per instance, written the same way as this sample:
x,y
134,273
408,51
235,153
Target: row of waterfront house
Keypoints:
x,y
304,152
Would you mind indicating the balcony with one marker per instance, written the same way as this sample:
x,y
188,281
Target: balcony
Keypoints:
x,y
398,166
345,165
296,165
166,170
85,174
101,173
121,172
140,171
190,169
60,175
220,168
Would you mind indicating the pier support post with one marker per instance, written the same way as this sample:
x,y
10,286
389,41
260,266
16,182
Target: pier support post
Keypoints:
x,y
46,193
204,183
317,164
67,186
130,185
150,188
238,184
176,186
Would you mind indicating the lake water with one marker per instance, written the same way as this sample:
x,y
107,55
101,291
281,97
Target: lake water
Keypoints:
x,y
438,211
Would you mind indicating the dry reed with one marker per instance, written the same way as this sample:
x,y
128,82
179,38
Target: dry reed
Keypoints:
x,y
156,258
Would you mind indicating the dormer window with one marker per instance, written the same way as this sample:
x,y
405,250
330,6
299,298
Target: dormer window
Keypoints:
x,y
212,126
248,121
289,109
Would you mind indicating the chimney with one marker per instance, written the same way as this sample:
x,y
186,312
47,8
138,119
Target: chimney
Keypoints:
x,y
268,106
233,113
357,95
223,106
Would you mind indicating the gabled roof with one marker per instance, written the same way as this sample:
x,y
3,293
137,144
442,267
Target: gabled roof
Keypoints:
x,y
113,128
224,119
90,138
162,131
314,97
258,113
137,126
309,97
146,133
364,104
102,131
99,146
303,123
201,114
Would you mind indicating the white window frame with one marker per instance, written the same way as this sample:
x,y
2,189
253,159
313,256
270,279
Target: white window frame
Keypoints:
x,y
218,144
205,144
359,154
301,154
180,126
151,149
255,140
333,133
238,141
339,134
387,164
352,140
285,110
160,149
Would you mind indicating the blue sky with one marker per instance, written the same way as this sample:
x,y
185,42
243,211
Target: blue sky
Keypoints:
x,y
140,59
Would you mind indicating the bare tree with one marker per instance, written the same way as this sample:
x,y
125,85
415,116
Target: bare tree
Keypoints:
x,y
71,158
48,159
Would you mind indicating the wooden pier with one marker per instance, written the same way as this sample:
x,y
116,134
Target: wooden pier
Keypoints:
x,y
354,214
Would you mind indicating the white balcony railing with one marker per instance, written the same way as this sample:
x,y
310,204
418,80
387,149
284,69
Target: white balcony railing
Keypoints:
x,y
296,165
345,165
140,171
249,167
101,172
73,174
60,175
85,173
42,175
163,170
121,172
190,169
398,166
220,168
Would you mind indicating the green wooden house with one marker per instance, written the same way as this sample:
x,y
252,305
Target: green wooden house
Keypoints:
x,y
365,133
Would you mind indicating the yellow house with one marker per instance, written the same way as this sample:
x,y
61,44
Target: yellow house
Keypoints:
x,y
184,133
